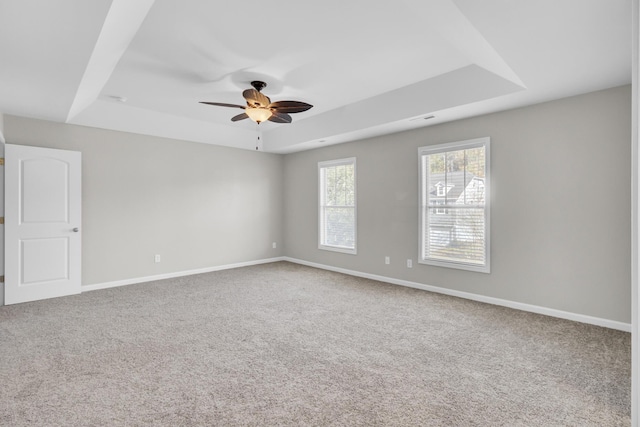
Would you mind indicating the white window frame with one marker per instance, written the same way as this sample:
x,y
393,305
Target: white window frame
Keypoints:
x,y
321,245
441,148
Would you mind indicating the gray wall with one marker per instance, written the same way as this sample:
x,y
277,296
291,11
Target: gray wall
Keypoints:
x,y
1,128
560,208
2,209
196,205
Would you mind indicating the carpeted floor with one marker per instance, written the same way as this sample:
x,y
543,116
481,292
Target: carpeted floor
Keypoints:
x,y
282,344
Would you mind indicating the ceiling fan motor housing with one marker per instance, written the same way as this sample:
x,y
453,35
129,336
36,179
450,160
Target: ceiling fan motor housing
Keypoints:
x,y
258,85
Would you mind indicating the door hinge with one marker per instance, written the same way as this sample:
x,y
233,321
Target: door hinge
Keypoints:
x,y
1,220
1,161
1,279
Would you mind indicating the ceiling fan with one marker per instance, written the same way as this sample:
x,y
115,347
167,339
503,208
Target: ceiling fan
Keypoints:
x,y
260,108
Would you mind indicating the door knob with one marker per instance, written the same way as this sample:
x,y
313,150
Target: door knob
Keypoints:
x,y
75,230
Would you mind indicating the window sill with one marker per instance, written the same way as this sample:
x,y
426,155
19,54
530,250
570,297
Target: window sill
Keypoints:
x,y
338,249
457,265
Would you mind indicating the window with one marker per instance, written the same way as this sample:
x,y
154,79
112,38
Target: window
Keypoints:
x,y
337,211
454,205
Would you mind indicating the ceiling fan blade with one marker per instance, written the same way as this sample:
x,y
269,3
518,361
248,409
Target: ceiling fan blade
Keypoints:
x,y
222,104
240,116
279,117
255,98
290,106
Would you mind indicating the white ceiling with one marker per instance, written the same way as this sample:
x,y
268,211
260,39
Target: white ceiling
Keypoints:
x,y
369,68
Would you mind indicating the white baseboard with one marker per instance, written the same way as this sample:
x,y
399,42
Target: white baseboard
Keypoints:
x,y
106,285
612,324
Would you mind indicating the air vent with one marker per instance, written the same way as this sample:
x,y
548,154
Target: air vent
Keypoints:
x,y
423,118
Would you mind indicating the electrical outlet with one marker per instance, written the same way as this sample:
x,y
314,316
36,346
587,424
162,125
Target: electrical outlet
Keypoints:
x,y
409,263
387,260
157,258
273,245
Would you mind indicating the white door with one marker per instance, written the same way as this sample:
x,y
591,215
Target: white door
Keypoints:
x,y
42,223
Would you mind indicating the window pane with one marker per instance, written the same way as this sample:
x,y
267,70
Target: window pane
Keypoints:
x,y
342,185
436,163
330,186
475,161
457,235
339,229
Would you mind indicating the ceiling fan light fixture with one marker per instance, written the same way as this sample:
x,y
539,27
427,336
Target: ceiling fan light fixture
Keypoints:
x,y
258,114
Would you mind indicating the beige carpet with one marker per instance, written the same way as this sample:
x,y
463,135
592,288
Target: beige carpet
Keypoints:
x,y
282,344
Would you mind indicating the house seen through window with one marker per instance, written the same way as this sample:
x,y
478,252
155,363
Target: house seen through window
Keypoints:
x,y
454,200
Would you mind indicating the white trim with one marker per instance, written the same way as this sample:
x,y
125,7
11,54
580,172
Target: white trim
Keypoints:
x,y
448,146
338,249
337,162
117,283
456,264
612,324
